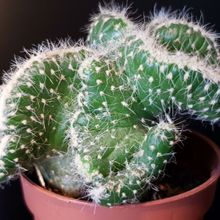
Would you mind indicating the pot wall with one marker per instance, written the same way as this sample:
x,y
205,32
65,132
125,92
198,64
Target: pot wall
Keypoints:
x,y
46,206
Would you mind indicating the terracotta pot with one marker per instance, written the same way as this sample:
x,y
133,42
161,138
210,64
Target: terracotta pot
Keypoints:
x,y
201,152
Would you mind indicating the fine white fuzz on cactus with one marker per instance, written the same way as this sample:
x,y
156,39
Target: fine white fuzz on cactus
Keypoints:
x,y
89,117
149,161
108,24
179,32
166,78
33,101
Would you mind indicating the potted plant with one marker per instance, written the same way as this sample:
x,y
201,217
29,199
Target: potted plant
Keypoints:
x,y
96,120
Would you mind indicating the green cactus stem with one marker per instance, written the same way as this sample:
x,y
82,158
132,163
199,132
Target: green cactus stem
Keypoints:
x,y
83,116
129,184
175,32
108,25
166,79
107,149
33,105
106,95
92,152
179,33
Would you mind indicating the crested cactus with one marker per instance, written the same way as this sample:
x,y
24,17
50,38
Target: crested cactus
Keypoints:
x,y
88,118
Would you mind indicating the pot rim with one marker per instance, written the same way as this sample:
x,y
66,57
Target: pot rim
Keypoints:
x,y
215,174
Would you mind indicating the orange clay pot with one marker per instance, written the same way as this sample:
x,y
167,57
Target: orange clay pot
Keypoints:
x,y
190,205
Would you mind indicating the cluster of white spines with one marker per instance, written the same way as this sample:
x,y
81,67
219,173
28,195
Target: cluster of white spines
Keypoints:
x,y
25,97
126,79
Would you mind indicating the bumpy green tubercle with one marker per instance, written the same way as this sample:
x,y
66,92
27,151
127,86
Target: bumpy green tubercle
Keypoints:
x,y
161,81
148,162
35,121
83,116
182,37
161,85
106,27
107,95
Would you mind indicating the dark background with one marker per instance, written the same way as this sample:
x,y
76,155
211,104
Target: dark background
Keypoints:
x,y
24,23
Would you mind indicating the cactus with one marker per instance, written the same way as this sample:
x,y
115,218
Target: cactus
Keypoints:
x,y
106,93
108,25
180,33
33,105
167,75
129,184
96,120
